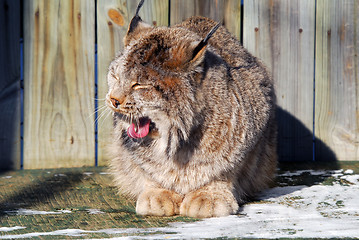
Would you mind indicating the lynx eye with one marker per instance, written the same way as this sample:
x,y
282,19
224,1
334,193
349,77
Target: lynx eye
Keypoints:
x,y
137,86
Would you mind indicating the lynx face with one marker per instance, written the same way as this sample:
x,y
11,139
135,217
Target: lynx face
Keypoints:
x,y
152,82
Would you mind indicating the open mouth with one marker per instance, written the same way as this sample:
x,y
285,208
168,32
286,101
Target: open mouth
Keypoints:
x,y
139,128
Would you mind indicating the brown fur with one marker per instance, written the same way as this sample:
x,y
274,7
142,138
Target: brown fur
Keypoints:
x,y
212,141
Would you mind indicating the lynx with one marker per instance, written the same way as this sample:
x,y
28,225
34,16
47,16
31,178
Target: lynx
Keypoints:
x,y
194,120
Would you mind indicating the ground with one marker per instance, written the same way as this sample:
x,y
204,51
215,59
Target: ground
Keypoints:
x,y
308,200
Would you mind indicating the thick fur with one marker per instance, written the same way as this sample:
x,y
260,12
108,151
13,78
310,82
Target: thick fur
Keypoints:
x,y
212,141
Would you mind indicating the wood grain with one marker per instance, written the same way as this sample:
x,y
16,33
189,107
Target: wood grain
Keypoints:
x,y
281,33
59,83
10,84
182,9
337,79
110,33
226,11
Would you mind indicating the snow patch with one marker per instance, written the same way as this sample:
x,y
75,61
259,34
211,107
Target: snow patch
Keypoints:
x,y
22,211
9,229
60,175
78,233
95,211
353,179
318,211
301,172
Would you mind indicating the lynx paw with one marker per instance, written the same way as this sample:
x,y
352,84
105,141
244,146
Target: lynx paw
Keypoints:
x,y
158,202
204,204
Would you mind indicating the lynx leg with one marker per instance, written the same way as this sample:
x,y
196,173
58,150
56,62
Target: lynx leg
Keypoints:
x,y
158,202
215,200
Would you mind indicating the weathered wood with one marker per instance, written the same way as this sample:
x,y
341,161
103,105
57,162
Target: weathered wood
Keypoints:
x,y
281,33
225,11
113,18
182,9
9,84
112,21
337,79
232,17
59,83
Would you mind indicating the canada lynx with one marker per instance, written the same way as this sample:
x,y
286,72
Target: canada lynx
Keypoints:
x,y
194,119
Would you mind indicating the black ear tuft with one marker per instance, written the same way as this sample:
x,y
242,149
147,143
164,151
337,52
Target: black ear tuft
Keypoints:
x,y
136,26
139,7
213,30
204,41
136,19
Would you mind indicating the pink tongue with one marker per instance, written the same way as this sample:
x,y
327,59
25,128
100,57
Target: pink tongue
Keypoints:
x,y
142,130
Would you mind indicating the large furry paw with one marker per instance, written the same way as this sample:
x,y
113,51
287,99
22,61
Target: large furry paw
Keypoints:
x,y
204,204
158,202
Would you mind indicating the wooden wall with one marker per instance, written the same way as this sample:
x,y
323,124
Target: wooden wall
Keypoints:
x,y
281,33
59,43
337,78
310,46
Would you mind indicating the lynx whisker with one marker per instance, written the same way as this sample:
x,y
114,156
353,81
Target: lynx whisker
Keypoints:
x,y
99,99
102,114
104,118
99,109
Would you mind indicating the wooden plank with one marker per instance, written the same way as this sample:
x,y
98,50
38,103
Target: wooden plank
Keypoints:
x,y
10,84
232,17
281,33
183,9
337,80
113,18
112,21
226,11
59,83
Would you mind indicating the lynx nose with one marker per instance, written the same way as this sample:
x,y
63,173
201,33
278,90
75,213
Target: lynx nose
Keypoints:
x,y
115,102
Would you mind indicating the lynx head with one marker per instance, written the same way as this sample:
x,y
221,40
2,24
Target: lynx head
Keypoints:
x,y
152,83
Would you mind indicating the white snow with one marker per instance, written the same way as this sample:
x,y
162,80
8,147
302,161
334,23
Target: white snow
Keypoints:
x,y
74,233
351,178
22,211
60,175
7,177
300,172
9,229
95,211
318,211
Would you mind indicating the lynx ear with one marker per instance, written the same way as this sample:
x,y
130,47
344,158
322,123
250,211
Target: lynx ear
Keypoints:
x,y
136,26
184,54
199,49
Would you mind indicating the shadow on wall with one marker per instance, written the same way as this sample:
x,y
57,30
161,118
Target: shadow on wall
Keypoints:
x,y
297,143
9,85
